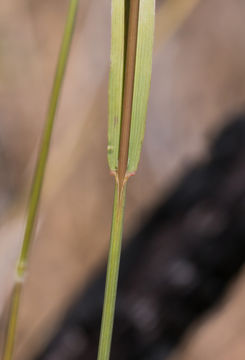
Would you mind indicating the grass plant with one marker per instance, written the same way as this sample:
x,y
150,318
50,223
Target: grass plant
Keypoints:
x,y
132,28
37,182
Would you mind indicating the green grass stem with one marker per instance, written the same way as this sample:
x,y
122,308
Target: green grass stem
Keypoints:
x,y
120,186
131,62
38,181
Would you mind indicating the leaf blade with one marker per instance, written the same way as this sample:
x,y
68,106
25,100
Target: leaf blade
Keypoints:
x,y
116,81
142,81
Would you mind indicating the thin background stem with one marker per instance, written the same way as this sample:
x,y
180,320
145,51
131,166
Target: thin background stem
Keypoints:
x,y
38,181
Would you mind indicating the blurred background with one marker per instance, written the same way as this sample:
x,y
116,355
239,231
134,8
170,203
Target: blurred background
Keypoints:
x,y
198,80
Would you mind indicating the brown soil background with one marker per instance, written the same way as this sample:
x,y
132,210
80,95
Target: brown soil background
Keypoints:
x,y
198,79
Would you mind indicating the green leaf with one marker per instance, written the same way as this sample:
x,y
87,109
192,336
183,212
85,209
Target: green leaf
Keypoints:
x,y
141,81
116,81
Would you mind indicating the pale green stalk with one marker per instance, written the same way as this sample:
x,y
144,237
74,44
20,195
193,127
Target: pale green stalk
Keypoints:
x,y
112,274
38,181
